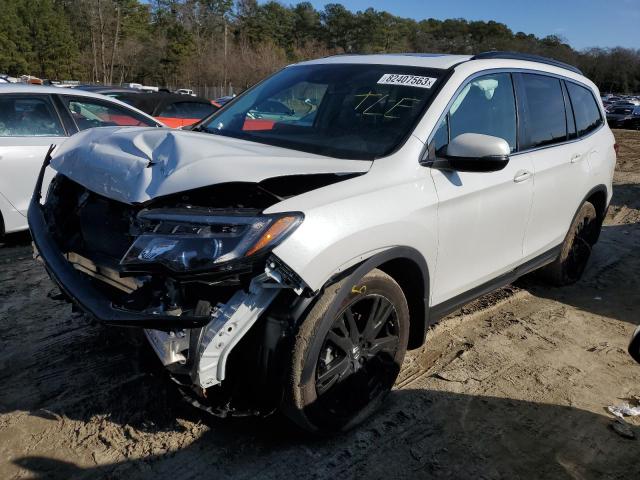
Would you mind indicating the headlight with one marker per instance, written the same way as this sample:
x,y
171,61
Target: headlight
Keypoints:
x,y
187,240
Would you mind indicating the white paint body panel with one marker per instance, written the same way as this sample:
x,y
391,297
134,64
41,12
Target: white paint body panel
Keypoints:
x,y
395,204
469,229
410,60
481,226
560,186
133,164
20,162
22,157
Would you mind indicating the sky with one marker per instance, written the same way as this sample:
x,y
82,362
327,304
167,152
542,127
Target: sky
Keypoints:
x,y
583,23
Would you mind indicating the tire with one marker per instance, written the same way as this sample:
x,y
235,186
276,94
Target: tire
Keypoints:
x,y
322,402
576,248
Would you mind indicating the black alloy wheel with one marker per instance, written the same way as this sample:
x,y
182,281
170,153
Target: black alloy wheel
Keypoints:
x,y
356,361
576,248
580,250
347,353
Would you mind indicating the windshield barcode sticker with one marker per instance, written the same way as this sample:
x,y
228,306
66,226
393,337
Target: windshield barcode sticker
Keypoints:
x,y
407,80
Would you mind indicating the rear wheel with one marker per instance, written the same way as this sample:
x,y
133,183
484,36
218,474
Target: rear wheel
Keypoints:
x,y
344,364
576,249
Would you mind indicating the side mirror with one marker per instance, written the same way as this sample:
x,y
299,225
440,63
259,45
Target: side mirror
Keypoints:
x,y
474,152
634,346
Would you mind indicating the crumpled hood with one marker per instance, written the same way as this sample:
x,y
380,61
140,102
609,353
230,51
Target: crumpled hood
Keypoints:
x,y
134,165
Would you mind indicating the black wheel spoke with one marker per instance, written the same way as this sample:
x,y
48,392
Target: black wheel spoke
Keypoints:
x,y
358,359
340,325
383,344
353,328
343,343
379,315
337,370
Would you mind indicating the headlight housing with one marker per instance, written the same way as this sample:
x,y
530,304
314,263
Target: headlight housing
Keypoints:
x,y
191,240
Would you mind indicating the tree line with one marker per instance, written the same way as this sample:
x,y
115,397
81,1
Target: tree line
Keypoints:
x,y
192,43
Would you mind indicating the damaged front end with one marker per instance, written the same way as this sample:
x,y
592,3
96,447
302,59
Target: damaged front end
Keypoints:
x,y
194,269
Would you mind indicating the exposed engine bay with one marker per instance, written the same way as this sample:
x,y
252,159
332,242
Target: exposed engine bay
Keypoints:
x,y
196,277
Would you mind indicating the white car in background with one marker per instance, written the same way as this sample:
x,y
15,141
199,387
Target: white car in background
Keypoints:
x,y
34,117
334,211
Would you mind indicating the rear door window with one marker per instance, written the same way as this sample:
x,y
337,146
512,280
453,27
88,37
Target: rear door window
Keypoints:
x,y
543,111
586,109
22,116
89,113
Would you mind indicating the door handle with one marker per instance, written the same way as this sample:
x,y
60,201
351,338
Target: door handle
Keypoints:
x,y
576,157
521,176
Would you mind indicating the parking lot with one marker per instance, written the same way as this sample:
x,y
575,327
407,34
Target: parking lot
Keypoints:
x,y
514,385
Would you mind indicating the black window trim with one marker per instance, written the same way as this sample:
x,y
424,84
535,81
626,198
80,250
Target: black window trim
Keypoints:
x,y
424,154
67,120
570,114
47,97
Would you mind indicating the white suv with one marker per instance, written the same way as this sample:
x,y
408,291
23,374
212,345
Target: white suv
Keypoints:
x,y
288,251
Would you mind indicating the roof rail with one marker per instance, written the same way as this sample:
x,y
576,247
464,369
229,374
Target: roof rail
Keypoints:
x,y
525,56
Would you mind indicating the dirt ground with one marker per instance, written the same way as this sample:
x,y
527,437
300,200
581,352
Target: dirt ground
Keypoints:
x,y
515,385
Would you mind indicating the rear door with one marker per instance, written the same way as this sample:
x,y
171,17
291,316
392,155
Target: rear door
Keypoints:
x,y
29,124
481,216
560,162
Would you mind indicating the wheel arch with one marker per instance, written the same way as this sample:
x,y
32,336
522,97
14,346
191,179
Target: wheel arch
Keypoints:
x,y
597,196
403,264
413,279
409,269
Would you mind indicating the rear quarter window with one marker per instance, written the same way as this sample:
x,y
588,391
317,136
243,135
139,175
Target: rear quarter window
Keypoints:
x,y
585,108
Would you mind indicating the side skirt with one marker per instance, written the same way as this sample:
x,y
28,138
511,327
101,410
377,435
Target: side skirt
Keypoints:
x,y
443,309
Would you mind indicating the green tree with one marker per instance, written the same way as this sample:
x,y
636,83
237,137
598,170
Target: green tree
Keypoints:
x,y
307,25
53,52
339,27
14,44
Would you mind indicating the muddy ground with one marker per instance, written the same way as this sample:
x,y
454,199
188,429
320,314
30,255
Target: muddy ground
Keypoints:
x,y
514,386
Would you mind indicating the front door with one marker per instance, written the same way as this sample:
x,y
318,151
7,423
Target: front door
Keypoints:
x,y
482,217
29,124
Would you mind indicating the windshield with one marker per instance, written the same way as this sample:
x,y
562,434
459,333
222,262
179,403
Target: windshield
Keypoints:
x,y
352,111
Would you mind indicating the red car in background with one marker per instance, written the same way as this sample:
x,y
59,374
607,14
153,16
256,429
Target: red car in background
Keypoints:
x,y
172,109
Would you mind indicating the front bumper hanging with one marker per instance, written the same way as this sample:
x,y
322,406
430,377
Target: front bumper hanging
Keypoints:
x,y
79,288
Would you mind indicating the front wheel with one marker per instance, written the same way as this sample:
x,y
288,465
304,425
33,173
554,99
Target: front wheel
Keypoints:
x,y
576,249
346,357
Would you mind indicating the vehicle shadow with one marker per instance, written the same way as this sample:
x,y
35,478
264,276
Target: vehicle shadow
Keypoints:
x,y
17,239
93,402
419,434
